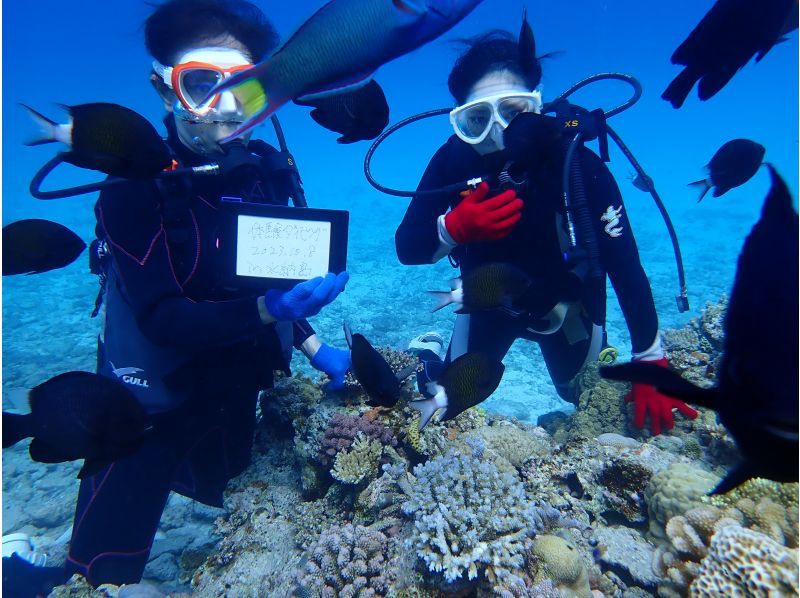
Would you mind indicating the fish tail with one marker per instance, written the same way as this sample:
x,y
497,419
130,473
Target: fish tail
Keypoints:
x,y
703,186
348,334
444,299
48,126
427,408
16,427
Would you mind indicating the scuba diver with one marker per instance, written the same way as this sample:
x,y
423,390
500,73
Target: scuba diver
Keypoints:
x,y
522,221
194,349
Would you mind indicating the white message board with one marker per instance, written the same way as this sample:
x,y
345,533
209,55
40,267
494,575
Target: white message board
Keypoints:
x,y
282,248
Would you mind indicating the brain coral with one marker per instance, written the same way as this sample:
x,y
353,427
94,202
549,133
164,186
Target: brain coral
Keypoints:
x,y
674,491
743,562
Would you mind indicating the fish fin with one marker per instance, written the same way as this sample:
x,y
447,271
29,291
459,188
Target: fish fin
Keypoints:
x,y
711,83
410,7
739,475
406,372
19,399
91,468
527,44
680,87
45,453
48,134
340,87
703,185
427,408
348,334
444,298
778,204
16,427
666,381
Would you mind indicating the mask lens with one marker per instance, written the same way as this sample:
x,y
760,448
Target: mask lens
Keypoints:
x,y
473,121
197,83
509,107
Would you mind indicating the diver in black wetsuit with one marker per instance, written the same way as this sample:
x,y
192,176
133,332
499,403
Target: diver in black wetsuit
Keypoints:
x,y
194,350
492,82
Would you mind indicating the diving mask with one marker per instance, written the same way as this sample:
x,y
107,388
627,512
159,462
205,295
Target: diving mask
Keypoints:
x,y
195,75
473,121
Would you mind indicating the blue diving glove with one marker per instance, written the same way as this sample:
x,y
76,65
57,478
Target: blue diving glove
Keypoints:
x,y
306,298
334,362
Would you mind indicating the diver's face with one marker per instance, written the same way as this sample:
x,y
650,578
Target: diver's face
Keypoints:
x,y
202,135
496,82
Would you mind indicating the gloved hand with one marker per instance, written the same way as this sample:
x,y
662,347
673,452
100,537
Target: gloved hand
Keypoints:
x,y
480,219
334,362
306,298
647,400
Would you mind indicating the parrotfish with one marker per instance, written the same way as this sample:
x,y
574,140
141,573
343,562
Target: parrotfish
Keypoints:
x,y
339,47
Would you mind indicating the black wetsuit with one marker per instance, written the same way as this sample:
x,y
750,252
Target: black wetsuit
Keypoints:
x,y
194,351
534,245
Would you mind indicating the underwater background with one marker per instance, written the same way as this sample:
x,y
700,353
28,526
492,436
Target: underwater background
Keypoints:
x,y
71,53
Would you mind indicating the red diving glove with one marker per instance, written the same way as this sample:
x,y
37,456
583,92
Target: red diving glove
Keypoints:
x,y
480,219
647,400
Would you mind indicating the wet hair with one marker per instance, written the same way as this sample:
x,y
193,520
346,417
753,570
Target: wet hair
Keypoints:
x,y
177,25
490,52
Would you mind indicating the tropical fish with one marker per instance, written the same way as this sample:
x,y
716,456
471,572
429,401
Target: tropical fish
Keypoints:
x,y
757,386
107,137
725,40
337,48
734,164
489,286
359,114
33,246
79,415
464,383
532,138
372,371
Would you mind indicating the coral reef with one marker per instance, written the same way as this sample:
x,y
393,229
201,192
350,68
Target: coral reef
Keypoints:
x,y
744,562
360,461
674,491
600,406
468,517
695,350
558,560
511,443
347,561
342,431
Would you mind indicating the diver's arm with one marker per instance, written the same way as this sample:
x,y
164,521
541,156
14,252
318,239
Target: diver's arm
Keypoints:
x,y
421,237
620,256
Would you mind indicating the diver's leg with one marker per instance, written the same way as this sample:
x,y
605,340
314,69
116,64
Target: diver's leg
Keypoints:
x,y
118,512
565,356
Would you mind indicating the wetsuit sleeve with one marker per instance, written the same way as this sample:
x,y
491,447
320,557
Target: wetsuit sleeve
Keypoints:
x,y
417,239
619,254
130,217
301,330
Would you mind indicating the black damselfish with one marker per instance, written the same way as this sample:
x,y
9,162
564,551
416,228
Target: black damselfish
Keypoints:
x,y
464,383
109,138
489,286
34,245
373,372
732,165
725,40
757,386
79,415
358,115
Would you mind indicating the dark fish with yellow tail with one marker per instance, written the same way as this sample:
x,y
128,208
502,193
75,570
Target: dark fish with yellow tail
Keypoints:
x,y
32,246
464,383
490,286
79,415
339,47
757,382
107,137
